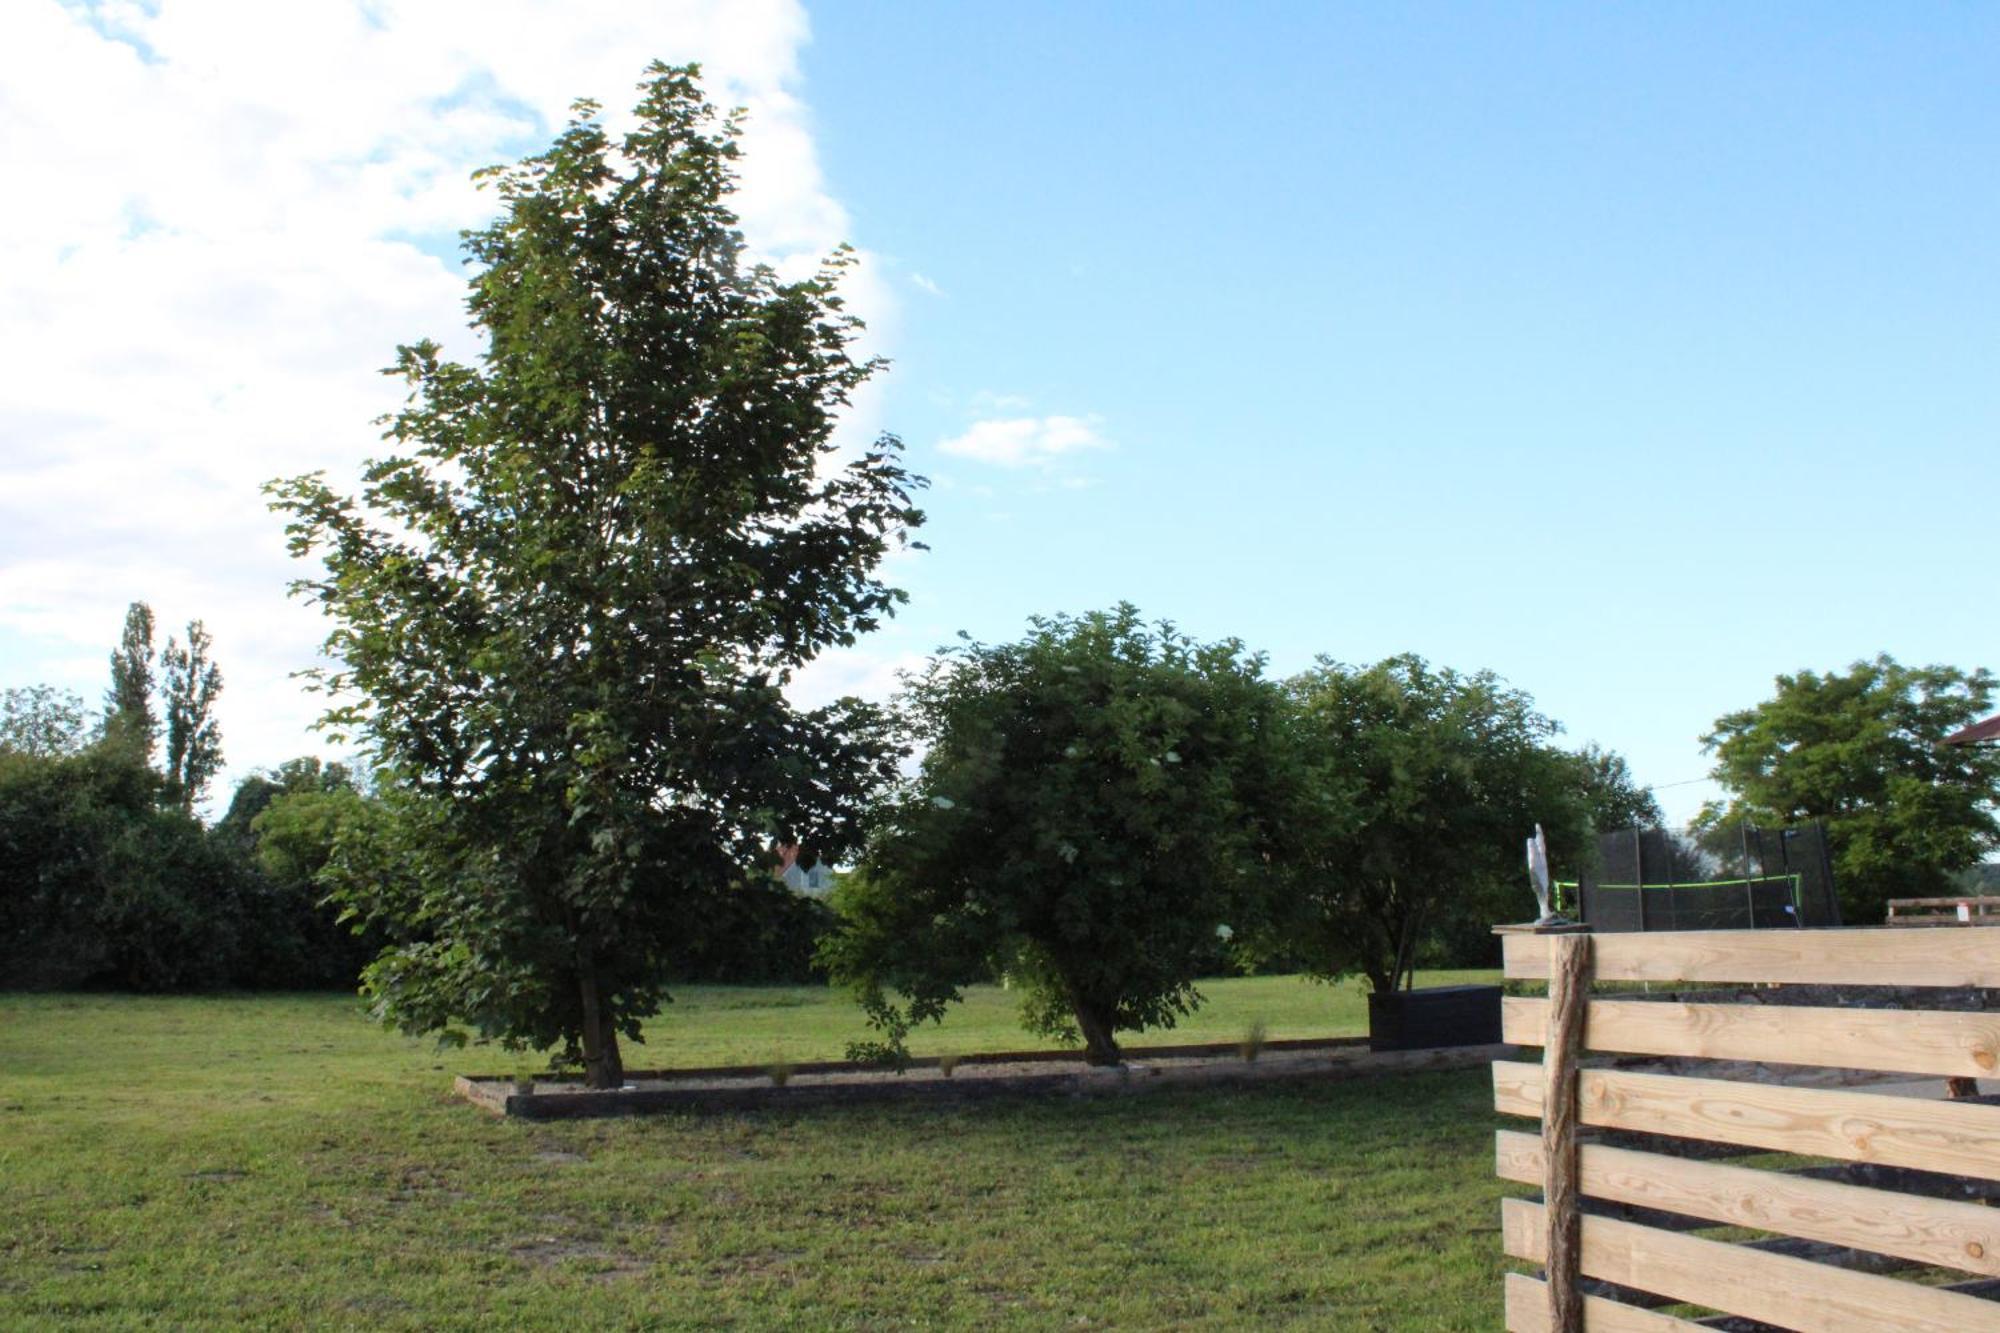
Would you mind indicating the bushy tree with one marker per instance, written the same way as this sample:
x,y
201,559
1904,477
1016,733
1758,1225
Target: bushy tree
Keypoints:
x,y
1445,776
1861,749
307,774
101,883
42,721
303,940
566,605
1095,802
1613,799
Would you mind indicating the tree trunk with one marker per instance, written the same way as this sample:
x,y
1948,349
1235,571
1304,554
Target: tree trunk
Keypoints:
x,y
1406,953
1100,1047
603,1068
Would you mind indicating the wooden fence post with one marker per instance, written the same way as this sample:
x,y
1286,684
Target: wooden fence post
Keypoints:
x,y
1569,993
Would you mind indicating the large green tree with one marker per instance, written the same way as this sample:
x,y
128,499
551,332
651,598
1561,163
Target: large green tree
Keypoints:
x,y
1095,803
1860,749
566,605
1446,776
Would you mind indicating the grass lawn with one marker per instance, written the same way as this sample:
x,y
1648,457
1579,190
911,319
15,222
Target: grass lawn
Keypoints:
x,y
277,1161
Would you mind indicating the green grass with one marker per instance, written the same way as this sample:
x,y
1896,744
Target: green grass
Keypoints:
x,y
757,1024
276,1161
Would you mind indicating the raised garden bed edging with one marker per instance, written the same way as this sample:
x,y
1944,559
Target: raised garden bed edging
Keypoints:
x,y
977,1078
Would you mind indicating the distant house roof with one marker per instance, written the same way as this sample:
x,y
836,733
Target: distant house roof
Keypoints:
x,y
1989,730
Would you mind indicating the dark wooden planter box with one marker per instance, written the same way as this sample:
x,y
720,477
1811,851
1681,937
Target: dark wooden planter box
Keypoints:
x,y
1418,1020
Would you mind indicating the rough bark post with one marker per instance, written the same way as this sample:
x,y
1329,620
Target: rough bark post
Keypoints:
x,y
1569,991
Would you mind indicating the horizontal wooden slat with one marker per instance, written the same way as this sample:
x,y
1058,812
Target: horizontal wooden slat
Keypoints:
x,y
1528,1312
1775,1288
1943,921
1943,1232
1958,1138
1977,904
1878,956
1907,1041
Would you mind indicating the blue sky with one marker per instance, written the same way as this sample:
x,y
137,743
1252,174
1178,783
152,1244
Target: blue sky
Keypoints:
x,y
1636,353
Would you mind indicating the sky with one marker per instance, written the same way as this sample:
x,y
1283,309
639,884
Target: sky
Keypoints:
x,y
1636,353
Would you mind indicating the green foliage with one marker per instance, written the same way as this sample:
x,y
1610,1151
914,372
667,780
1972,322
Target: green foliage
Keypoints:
x,y
101,885
566,606
189,684
42,721
129,720
297,832
1094,803
1861,750
296,837
755,930
254,794
1444,777
106,882
1613,799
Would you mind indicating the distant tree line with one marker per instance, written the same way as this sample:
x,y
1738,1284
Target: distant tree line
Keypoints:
x,y
109,880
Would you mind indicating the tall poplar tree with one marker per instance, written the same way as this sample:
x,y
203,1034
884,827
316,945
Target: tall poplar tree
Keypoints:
x,y
566,603
130,723
189,685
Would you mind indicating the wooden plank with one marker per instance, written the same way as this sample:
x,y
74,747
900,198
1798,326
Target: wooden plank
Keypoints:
x,y
1977,903
1905,1041
1941,1232
1934,921
1774,1288
1569,996
1876,956
1958,1138
1528,1312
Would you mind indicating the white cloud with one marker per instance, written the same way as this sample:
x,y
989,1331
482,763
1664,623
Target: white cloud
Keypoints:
x,y
224,216
1026,441
859,671
924,284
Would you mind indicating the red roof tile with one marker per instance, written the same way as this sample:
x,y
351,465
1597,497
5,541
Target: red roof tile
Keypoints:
x,y
1977,732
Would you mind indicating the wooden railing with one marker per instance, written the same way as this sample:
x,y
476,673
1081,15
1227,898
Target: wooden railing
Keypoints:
x,y
1959,911
1614,1232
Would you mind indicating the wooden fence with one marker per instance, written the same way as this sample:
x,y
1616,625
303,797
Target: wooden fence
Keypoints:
x,y
1903,1251
1956,911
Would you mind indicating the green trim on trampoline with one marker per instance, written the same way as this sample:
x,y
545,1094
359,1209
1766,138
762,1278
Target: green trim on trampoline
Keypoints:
x,y
1793,880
